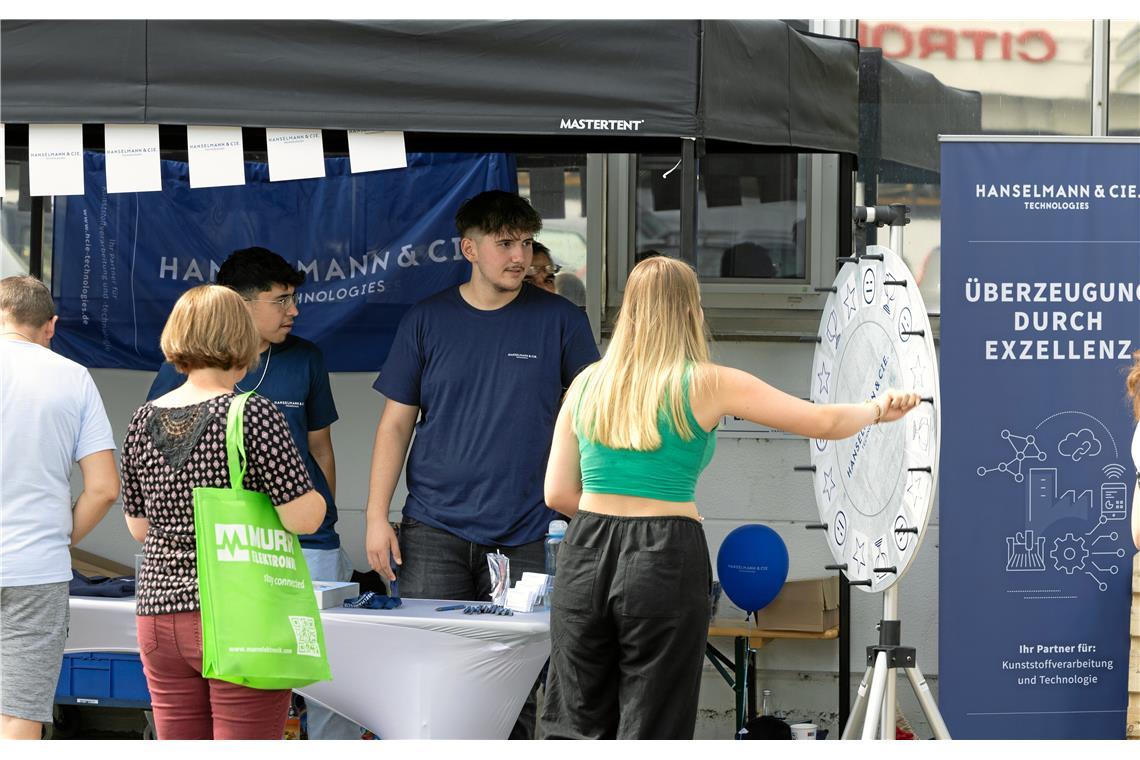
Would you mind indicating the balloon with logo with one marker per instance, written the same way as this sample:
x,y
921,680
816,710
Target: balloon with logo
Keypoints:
x,y
752,565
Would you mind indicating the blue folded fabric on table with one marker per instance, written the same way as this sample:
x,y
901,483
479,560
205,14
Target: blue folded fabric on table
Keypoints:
x,y
100,585
370,600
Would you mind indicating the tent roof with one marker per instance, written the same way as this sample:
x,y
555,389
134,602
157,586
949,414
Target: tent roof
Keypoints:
x,y
904,109
754,82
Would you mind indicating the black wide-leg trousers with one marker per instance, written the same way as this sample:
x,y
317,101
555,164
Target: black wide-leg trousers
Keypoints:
x,y
628,627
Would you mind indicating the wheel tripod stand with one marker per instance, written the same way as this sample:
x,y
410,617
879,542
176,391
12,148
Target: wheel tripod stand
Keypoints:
x,y
875,708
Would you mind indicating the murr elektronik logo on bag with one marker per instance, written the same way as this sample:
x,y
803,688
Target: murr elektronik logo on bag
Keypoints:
x,y
239,542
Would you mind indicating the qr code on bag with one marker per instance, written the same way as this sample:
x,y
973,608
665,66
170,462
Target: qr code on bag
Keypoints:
x,y
305,631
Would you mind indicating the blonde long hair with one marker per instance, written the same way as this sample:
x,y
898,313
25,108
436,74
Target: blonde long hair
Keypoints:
x,y
1133,384
660,331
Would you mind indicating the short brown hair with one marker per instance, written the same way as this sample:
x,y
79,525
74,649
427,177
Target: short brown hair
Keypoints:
x,y
496,211
210,328
26,301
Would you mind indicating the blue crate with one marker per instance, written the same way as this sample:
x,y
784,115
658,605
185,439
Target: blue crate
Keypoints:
x,y
107,679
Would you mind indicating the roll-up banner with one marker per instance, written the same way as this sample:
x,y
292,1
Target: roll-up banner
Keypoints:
x,y
1040,316
371,246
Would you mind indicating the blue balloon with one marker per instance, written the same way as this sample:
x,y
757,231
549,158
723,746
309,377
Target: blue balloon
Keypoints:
x,y
752,565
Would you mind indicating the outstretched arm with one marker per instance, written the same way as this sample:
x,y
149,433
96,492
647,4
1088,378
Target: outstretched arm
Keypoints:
x,y
744,395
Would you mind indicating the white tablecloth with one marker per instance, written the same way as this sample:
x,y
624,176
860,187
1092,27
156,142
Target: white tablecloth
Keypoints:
x,y
411,673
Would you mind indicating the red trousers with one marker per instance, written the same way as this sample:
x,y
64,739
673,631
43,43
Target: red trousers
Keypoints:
x,y
188,706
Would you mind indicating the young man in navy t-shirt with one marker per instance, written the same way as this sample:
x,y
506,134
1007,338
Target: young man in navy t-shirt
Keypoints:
x,y
292,375
477,372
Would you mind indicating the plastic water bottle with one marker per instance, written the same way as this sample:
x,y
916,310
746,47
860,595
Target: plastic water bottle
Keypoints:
x,y
554,535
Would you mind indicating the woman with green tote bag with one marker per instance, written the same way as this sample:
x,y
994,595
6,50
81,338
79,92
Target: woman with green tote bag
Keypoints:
x,y
176,463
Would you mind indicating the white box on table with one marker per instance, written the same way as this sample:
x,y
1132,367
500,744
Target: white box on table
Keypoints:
x,y
333,593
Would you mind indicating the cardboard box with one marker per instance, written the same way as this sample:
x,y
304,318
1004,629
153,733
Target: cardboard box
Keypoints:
x,y
92,564
807,605
333,593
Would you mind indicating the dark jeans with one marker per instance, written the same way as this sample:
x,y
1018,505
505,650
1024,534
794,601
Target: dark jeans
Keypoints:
x,y
438,565
628,629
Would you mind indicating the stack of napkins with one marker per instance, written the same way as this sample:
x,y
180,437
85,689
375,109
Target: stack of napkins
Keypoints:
x,y
333,593
530,593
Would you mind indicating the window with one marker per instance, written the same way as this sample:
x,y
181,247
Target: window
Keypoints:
x,y
16,221
1034,78
751,214
556,186
1124,78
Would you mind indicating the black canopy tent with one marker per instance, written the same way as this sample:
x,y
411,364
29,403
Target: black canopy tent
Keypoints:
x,y
746,82
517,86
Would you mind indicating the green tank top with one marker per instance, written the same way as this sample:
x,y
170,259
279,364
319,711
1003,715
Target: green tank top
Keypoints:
x,y
668,473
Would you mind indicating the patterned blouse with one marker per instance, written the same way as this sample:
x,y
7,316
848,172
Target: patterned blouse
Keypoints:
x,y
167,453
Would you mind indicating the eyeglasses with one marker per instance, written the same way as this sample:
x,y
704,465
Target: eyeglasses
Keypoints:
x,y
548,269
283,303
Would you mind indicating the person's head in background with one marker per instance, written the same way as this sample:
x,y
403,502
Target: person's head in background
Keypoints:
x,y
570,286
26,309
268,285
542,269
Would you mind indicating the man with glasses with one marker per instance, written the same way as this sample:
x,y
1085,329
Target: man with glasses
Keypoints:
x,y
292,375
542,269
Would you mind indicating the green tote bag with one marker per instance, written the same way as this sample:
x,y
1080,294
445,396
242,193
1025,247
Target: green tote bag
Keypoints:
x,y
260,623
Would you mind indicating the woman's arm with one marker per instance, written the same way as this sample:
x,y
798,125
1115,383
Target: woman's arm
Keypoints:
x,y
138,526
134,509
743,395
563,486
303,514
275,468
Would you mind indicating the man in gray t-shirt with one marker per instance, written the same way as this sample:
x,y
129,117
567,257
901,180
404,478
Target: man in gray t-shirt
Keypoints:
x,y
51,417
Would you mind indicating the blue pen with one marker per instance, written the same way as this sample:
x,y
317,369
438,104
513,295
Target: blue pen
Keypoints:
x,y
450,607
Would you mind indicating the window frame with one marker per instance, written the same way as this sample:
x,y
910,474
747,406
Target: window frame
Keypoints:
x,y
734,306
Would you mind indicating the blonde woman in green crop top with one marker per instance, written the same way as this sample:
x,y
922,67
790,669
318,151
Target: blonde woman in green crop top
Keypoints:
x,y
630,605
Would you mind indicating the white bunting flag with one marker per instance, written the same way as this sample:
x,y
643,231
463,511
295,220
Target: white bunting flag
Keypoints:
x,y
216,156
295,154
55,159
133,164
370,150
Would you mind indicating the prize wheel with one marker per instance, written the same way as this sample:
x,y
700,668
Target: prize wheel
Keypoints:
x,y
875,490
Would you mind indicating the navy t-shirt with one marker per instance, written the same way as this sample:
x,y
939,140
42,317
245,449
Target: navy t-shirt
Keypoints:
x,y
488,385
297,383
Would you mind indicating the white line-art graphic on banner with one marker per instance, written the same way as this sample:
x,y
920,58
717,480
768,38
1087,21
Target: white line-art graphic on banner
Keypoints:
x,y
1063,494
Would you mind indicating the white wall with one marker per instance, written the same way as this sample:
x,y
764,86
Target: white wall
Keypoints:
x,y
748,481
